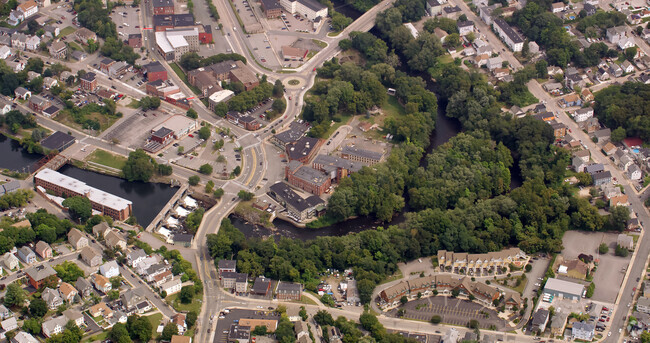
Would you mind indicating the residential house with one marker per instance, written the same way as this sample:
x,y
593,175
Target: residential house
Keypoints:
x,y
627,67
603,135
51,31
114,239
91,256
102,283
4,312
68,292
602,74
615,69
540,319
609,149
37,104
58,50
574,80
288,291
615,34
625,241
643,305
236,281
583,331
83,35
574,268
625,161
32,43
511,37
494,62
557,323
578,164
440,34
172,287
77,239
39,273
10,261
570,101
88,82
110,269
101,229
22,93
27,255
74,316
52,297
634,172
586,95
558,7
135,256
620,200
179,320
84,287
101,309
227,266
583,114
54,326
262,286
465,27
24,337
585,155
131,298
626,43
434,8
602,178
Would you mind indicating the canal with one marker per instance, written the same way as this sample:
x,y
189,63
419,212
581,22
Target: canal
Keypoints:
x,y
148,198
14,157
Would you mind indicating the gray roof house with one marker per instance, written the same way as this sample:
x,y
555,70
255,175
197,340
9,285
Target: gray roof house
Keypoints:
x,y
26,254
52,297
540,319
84,287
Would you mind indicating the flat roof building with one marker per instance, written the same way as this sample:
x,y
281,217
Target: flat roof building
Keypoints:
x,y
298,207
181,125
361,155
106,203
58,141
307,178
310,9
565,289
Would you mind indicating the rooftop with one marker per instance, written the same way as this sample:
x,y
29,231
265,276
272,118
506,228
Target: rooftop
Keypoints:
x,y
40,272
362,153
292,198
57,140
311,175
163,3
509,31
302,147
80,187
173,20
295,131
564,286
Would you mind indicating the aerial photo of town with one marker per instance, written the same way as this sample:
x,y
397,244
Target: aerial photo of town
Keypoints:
x,y
324,171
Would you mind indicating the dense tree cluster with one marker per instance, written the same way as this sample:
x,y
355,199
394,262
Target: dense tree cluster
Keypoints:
x,y
594,26
116,49
15,199
192,60
625,106
245,100
150,102
68,271
141,167
540,25
92,15
79,208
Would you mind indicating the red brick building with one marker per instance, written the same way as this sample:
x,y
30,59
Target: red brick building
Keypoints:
x,y
272,8
304,149
155,71
307,178
38,274
163,7
135,40
88,82
245,121
163,135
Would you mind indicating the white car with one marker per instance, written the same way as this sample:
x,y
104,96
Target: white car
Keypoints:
x,y
609,334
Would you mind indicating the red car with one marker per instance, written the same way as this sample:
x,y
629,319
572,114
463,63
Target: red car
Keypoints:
x,y
62,17
314,69
191,135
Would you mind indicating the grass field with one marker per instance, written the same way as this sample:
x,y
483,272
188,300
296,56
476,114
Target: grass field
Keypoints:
x,y
178,306
104,121
154,319
100,337
75,46
106,158
66,31
320,43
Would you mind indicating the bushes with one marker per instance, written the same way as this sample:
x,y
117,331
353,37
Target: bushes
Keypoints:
x,y
621,251
603,248
590,290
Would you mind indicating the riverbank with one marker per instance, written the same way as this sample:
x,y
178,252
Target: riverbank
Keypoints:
x,y
247,212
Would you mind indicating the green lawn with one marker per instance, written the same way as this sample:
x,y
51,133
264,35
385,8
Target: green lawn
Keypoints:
x,y
75,46
106,158
345,118
96,338
154,319
66,31
134,104
393,107
178,306
320,43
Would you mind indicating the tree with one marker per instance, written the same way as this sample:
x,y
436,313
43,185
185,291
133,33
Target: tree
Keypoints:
x,y
79,208
194,180
473,324
209,186
236,171
69,272
403,299
114,294
259,330
246,196
33,326
630,53
621,251
192,113
187,294
38,308
190,319
119,334
618,134
218,193
462,17
205,132
436,319
279,105
303,313
149,102
455,292
590,290
278,89
139,328
15,295
205,169
603,248
323,318
139,166
169,330
542,69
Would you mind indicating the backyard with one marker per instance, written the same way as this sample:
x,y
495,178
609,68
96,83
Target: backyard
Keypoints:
x,y
178,306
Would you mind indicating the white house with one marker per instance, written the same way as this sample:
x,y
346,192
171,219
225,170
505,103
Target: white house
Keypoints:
x,y
32,43
4,52
28,8
495,62
627,67
465,27
583,114
625,43
511,37
583,331
558,7
110,269
54,326
172,287
634,172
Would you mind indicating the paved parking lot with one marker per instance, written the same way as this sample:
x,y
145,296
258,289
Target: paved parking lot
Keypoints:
x,y
222,165
263,49
127,20
452,311
223,324
251,23
611,270
134,129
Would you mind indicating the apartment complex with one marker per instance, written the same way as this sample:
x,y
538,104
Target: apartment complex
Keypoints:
x,y
477,264
361,155
508,35
106,203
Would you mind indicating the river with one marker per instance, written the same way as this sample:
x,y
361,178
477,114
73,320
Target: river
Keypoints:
x,y
14,157
148,198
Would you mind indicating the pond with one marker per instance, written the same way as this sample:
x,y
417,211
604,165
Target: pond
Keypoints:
x,y
148,198
14,157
